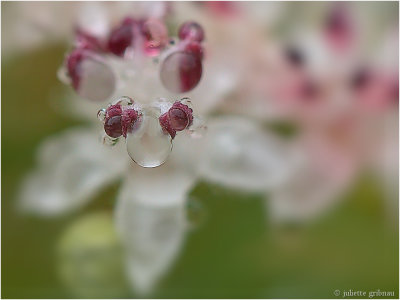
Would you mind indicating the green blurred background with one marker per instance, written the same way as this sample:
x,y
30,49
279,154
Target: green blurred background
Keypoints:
x,y
233,252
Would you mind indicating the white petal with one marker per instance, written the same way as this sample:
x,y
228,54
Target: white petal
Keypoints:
x,y
165,185
313,187
239,154
305,197
72,167
152,234
92,17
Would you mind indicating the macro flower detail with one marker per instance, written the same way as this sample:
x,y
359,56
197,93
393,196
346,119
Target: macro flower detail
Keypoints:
x,y
101,69
97,66
177,118
148,129
295,113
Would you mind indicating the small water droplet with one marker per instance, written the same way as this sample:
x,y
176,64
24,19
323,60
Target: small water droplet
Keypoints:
x,y
101,114
198,128
148,145
109,141
187,102
124,101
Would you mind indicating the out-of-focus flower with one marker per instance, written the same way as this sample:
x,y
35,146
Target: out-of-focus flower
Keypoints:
x,y
89,256
329,84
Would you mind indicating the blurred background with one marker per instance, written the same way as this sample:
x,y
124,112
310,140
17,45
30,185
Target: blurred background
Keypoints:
x,y
317,86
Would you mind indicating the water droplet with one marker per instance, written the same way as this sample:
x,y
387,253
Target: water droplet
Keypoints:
x,y
148,145
96,80
187,102
181,71
109,141
101,114
125,101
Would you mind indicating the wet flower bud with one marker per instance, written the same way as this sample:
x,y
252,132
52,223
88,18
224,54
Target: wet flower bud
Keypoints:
x,y
181,71
113,110
91,77
112,121
128,119
73,62
191,31
166,125
181,116
194,48
113,126
121,37
177,118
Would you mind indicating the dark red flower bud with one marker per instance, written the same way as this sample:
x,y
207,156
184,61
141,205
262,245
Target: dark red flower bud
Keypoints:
x,y
129,117
121,37
166,126
191,31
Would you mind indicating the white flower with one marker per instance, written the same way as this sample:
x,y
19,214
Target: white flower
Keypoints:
x,y
74,166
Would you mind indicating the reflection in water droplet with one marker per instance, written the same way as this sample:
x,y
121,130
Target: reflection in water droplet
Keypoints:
x,y
181,72
148,146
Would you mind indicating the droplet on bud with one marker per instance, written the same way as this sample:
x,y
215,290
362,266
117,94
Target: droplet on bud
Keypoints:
x,y
181,71
177,118
90,76
148,145
180,115
194,48
113,126
191,31
166,125
125,101
156,36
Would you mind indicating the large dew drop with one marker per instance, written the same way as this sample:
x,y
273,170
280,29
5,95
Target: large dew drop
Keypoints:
x,y
97,80
181,72
147,144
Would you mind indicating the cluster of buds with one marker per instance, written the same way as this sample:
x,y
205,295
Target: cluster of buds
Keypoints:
x,y
148,129
89,71
125,116
99,69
